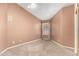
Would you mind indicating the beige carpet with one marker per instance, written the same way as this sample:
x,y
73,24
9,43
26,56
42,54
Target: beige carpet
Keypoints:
x,y
38,48
78,52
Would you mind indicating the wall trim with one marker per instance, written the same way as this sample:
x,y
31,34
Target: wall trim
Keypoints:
x,y
62,45
33,41
17,46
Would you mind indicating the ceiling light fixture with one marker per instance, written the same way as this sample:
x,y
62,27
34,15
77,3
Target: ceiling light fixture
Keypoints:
x,y
32,5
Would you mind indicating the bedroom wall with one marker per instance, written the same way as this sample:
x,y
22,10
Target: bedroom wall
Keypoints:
x,y
3,40
22,26
63,26
17,26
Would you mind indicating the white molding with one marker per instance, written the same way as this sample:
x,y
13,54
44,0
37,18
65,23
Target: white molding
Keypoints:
x,y
62,45
76,28
33,41
17,46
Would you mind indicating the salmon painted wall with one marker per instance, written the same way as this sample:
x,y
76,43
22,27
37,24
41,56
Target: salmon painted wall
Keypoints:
x,y
3,40
22,26
63,26
17,25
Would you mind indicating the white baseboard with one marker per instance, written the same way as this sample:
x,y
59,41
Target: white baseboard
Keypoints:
x,y
62,45
33,41
17,46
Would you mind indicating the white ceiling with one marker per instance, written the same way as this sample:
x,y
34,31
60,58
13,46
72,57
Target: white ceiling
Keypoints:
x,y
43,11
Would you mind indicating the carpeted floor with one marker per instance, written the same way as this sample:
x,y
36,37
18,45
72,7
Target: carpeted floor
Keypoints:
x,y
78,52
38,48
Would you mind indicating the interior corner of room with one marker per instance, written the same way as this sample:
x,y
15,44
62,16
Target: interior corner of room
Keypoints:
x,y
39,29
